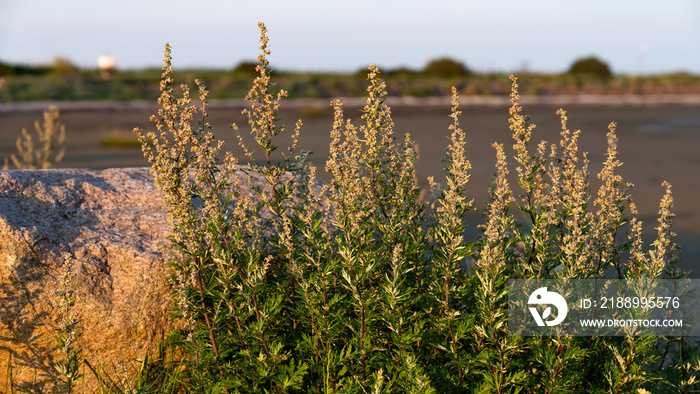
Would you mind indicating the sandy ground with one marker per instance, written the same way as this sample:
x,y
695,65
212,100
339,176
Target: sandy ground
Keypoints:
x,y
659,140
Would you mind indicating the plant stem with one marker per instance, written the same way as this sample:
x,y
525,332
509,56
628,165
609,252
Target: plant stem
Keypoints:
x,y
210,328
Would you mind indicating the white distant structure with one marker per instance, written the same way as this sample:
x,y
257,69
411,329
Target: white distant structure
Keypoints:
x,y
643,49
106,65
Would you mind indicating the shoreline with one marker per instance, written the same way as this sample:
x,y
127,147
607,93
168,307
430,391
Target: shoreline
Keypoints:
x,y
393,101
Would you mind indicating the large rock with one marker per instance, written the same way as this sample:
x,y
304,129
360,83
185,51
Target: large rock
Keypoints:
x,y
114,224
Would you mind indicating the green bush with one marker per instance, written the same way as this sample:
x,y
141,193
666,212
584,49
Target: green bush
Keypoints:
x,y
591,66
245,69
63,65
446,67
374,293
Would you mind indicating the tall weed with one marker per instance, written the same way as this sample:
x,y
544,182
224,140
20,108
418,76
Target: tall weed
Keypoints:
x,y
51,145
359,286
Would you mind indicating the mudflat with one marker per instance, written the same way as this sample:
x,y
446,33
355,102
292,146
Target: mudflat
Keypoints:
x,y
658,140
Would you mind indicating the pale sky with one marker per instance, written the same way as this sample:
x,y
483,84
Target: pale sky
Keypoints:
x,y
331,35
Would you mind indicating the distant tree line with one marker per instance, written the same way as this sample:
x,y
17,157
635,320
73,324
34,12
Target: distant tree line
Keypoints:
x,y
7,69
444,67
58,65
448,67
63,80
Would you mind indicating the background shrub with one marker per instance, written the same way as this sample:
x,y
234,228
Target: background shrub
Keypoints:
x,y
63,65
245,69
591,66
446,67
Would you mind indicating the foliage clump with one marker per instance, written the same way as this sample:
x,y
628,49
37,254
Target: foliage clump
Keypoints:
x,y
375,293
591,66
245,68
62,65
446,67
